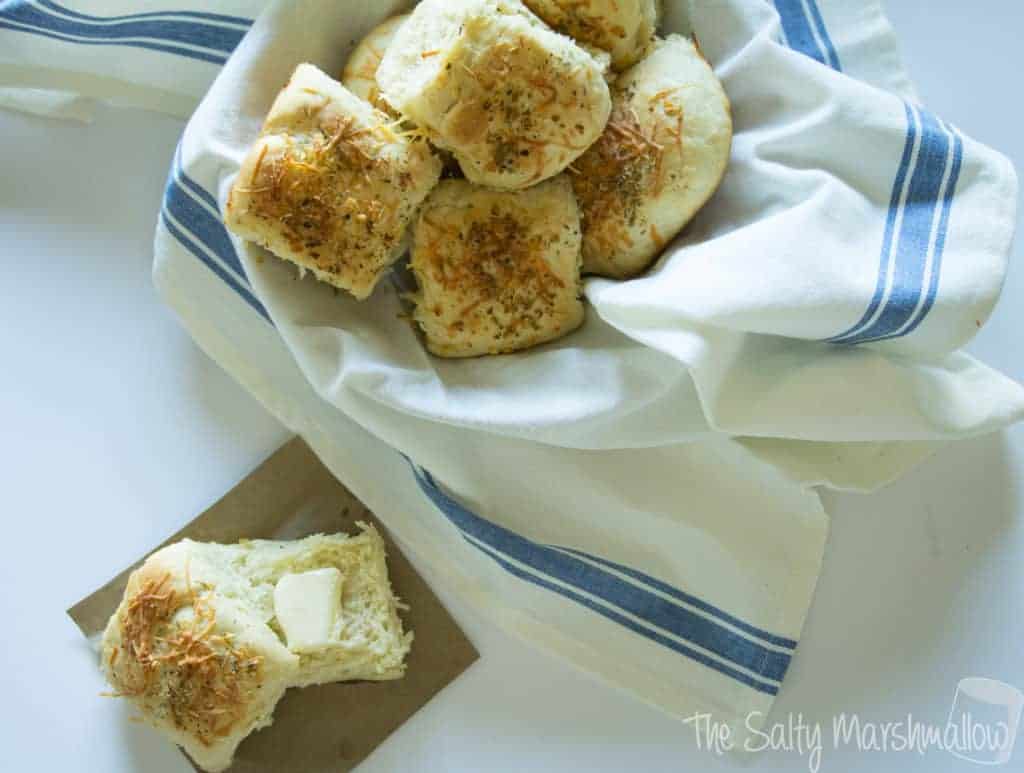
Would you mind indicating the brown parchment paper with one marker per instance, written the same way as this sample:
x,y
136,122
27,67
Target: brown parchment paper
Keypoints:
x,y
329,727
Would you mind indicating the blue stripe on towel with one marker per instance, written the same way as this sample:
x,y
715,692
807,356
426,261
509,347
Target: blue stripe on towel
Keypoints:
x,y
199,55
770,638
660,619
611,614
202,40
207,228
196,188
940,240
192,244
215,17
912,245
915,233
890,222
805,31
202,232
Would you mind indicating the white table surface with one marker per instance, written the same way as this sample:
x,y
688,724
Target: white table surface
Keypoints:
x,y
117,430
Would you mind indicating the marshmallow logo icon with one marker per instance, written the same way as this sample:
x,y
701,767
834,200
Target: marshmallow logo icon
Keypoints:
x,y
984,720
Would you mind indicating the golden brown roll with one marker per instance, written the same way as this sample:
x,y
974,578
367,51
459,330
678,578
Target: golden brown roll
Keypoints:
x,y
498,271
661,157
331,184
513,101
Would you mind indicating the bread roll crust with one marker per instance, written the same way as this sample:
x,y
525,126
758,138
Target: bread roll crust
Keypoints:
x,y
515,102
360,73
623,28
497,271
662,156
331,184
204,671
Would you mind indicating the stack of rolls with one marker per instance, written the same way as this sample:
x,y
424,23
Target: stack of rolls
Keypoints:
x,y
511,146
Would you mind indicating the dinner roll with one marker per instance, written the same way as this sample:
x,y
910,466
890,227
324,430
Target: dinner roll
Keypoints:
x,y
661,157
514,101
360,77
497,271
623,28
194,654
360,73
331,183
197,643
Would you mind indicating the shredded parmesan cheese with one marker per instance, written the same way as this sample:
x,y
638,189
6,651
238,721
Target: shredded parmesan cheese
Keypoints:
x,y
199,678
614,176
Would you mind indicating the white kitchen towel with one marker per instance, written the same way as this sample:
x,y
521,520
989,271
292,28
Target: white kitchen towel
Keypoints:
x,y
592,495
161,58
856,242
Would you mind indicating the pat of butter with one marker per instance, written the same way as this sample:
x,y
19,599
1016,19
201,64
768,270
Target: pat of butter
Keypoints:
x,y
306,606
